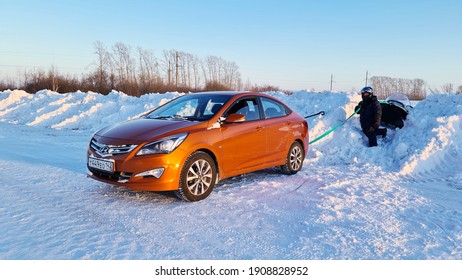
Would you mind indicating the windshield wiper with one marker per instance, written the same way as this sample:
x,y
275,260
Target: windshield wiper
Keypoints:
x,y
160,117
174,117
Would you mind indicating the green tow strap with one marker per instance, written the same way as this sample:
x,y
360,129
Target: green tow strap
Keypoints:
x,y
334,128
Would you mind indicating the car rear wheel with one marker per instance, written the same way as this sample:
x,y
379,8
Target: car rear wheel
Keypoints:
x,y
197,177
294,160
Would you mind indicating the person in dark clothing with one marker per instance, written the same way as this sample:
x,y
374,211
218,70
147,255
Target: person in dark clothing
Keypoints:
x,y
370,116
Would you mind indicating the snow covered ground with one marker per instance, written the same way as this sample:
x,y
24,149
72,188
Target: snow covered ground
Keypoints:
x,y
400,200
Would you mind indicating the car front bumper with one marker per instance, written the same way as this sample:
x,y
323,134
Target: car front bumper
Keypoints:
x,y
139,172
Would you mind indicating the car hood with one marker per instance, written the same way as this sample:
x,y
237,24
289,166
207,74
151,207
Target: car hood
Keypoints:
x,y
141,130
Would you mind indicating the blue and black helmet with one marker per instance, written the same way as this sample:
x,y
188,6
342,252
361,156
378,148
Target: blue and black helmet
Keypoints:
x,y
369,90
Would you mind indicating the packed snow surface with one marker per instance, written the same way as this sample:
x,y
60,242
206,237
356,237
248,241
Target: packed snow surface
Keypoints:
x,y
400,200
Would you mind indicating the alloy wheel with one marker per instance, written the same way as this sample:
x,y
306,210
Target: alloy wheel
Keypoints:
x,y
296,158
199,177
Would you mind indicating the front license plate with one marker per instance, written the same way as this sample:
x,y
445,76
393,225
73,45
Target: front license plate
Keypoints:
x,y
101,164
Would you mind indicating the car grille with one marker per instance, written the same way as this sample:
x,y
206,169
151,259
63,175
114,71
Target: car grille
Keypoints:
x,y
120,177
108,150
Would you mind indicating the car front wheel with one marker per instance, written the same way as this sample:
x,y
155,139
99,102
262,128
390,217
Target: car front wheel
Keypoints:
x,y
294,160
197,177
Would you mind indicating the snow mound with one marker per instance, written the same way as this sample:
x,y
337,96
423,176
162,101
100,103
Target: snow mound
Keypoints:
x,y
75,110
400,200
431,140
428,139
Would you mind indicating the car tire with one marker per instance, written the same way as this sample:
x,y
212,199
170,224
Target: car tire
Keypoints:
x,y
294,159
197,177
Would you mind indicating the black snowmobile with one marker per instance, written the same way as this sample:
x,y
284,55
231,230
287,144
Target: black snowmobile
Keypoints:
x,y
395,109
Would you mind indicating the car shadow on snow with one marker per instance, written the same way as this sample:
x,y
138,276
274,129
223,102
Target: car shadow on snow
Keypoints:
x,y
124,193
269,176
233,183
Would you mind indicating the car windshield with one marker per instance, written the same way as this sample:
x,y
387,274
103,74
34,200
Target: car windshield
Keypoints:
x,y
192,107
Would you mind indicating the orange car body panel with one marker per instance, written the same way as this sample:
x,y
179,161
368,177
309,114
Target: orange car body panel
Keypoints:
x,y
237,148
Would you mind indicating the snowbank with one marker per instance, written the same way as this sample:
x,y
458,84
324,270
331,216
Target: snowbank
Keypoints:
x,y
400,200
75,110
429,136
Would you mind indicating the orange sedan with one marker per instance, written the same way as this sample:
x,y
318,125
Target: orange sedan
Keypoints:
x,y
190,143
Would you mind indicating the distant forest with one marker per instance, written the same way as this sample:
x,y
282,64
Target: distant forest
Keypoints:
x,y
138,71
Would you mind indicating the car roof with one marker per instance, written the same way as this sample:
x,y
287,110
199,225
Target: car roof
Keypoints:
x,y
219,92
233,93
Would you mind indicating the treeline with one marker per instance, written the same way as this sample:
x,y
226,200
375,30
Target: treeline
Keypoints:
x,y
142,72
139,71
384,86
415,89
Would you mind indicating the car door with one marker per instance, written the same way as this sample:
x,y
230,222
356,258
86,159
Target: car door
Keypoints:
x,y
277,127
244,143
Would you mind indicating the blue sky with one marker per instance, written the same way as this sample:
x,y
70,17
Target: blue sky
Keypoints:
x,y
288,43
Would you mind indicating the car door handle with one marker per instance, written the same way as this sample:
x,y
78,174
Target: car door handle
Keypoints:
x,y
259,128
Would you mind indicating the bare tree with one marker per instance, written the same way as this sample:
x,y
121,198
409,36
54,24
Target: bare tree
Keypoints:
x,y
8,83
210,69
232,76
218,70
102,75
53,79
196,71
418,90
125,68
448,88
170,66
148,75
189,65
181,69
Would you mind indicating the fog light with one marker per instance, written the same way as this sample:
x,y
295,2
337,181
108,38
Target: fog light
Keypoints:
x,y
151,173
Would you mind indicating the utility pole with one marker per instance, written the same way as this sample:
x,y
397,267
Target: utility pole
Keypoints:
x,y
331,81
367,74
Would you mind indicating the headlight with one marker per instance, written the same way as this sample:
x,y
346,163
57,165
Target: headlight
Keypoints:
x,y
162,146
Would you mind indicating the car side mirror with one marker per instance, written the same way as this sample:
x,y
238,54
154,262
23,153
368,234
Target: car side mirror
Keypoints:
x,y
235,118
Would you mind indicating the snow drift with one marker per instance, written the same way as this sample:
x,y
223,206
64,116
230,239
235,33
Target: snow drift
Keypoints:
x,y
428,138
400,200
